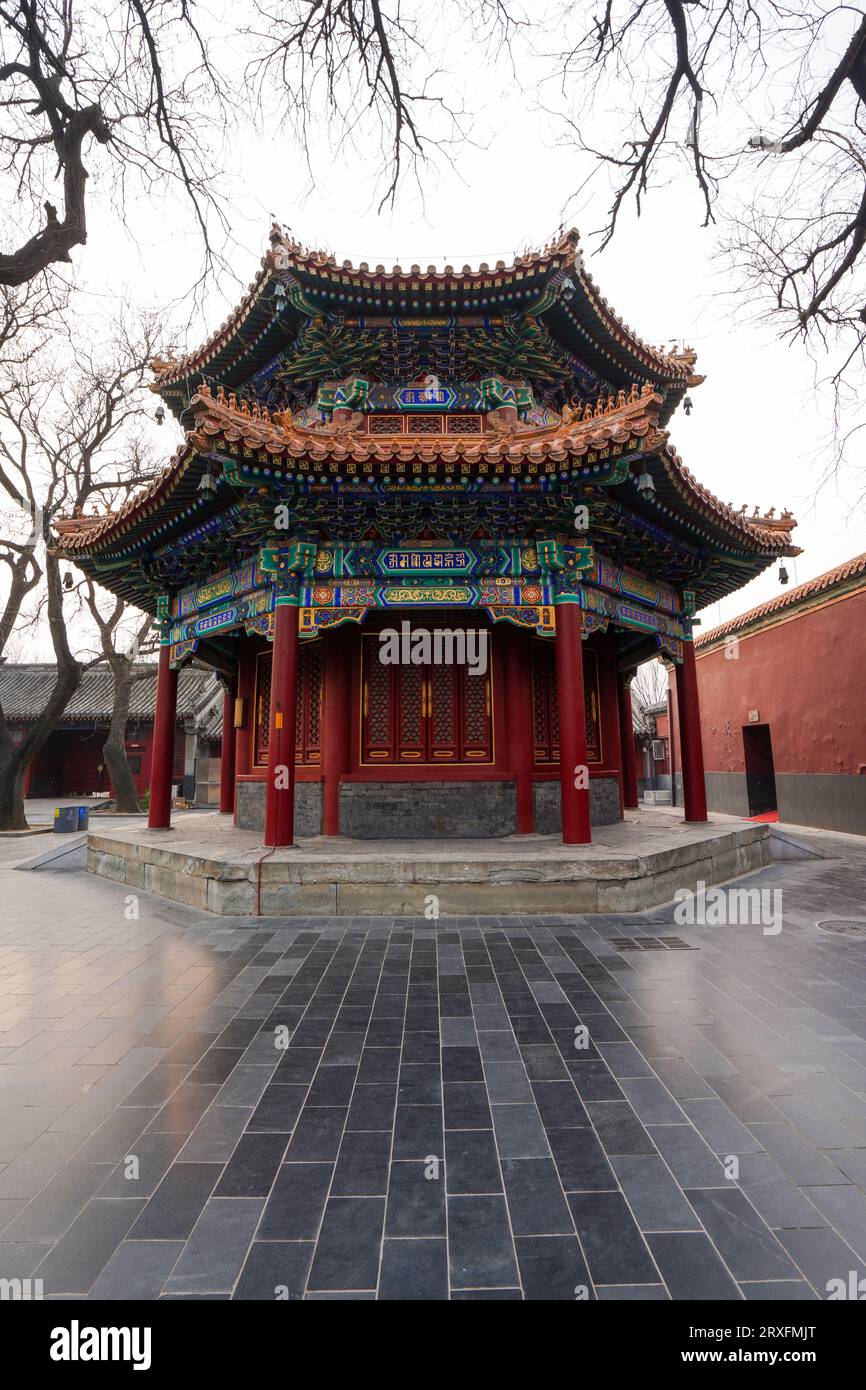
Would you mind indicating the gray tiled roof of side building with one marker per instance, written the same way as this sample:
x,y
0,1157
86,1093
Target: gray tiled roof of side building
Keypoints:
x,y
25,688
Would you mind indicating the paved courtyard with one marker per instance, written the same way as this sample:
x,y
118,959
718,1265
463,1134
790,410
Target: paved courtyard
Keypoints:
x,y
375,1108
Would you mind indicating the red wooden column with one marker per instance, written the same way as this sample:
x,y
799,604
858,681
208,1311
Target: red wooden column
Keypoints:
x,y
337,672
280,786
609,713
572,725
626,738
691,748
518,717
162,756
243,734
227,757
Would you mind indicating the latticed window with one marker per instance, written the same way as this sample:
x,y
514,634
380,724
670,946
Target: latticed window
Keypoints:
x,y
424,424
308,710
545,705
433,714
427,424
385,424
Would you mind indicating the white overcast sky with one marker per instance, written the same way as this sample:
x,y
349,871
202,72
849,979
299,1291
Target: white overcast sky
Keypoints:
x,y
757,428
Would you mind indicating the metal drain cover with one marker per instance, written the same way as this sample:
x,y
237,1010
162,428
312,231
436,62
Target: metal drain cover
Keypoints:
x,y
844,926
652,943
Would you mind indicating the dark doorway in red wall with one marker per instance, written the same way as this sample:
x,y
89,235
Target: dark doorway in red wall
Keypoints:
x,y
760,773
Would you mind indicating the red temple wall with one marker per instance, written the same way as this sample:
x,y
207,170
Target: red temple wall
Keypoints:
x,y
68,763
806,677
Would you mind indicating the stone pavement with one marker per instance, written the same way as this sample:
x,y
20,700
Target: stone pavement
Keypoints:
x,y
434,1128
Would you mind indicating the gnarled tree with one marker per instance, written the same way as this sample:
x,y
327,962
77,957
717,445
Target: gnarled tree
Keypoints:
x,y
69,440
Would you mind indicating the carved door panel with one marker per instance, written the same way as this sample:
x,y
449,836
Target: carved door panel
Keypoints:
x,y
262,709
378,710
442,698
545,704
425,714
308,711
410,693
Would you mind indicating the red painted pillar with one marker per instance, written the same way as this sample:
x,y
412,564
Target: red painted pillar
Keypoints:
x,y
227,757
626,738
610,726
162,756
337,660
518,716
243,734
280,786
691,749
572,726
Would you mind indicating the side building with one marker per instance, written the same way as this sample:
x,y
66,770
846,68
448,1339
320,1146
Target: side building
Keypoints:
x,y
71,762
783,705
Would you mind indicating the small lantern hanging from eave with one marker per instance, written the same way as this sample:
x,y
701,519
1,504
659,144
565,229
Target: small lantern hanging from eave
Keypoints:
x,y
645,485
159,415
783,573
207,484
688,404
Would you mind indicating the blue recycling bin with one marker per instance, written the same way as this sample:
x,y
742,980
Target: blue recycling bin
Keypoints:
x,y
68,819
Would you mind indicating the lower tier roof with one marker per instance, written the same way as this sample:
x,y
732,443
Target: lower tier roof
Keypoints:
x,y
340,482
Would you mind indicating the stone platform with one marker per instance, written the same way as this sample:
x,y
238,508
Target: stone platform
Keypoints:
x,y
208,863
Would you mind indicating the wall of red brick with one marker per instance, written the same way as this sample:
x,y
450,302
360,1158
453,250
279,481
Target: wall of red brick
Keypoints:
x,y
68,764
806,677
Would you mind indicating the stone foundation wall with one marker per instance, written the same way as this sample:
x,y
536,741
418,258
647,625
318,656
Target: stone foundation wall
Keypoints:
x,y
479,879
418,810
603,804
308,807
826,800
427,810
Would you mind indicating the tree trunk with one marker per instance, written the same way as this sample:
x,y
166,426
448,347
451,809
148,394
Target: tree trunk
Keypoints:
x,y
125,795
15,757
12,774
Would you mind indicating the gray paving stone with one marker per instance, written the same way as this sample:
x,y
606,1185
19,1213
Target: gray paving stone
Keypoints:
x,y
154,1040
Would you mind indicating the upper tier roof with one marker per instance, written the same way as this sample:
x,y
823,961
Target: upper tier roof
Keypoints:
x,y
295,285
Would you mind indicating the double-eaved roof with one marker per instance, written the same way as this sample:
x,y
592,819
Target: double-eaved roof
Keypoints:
x,y
609,398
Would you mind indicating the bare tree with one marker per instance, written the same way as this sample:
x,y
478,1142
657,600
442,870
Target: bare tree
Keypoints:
x,y
125,672
649,688
795,69
362,67
758,102
131,85
69,438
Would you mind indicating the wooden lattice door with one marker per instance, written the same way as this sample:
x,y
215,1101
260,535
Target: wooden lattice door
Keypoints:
x,y
424,714
308,710
545,705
